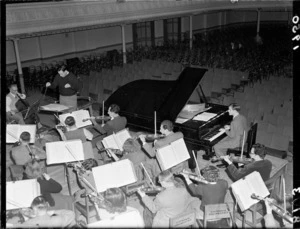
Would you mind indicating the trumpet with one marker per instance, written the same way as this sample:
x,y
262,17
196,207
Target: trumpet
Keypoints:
x,y
280,212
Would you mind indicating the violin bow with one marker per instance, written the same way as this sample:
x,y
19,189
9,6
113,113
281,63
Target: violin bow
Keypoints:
x,y
242,152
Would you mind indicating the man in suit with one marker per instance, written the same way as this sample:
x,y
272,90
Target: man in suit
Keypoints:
x,y
235,132
166,128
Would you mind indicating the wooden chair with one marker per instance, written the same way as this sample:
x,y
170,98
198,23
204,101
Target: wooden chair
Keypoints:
x,y
251,140
87,209
219,216
184,220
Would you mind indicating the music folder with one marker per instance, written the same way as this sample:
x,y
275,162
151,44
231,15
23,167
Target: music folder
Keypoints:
x,y
243,189
172,154
13,132
116,174
64,151
116,140
79,116
20,194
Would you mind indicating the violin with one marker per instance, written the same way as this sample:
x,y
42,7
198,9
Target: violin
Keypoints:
x,y
95,196
196,177
280,211
100,118
244,160
153,137
237,159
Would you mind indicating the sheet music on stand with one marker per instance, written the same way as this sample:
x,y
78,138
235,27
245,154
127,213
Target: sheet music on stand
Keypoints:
x,y
116,140
20,194
55,107
243,188
115,174
13,132
79,116
64,151
205,116
172,154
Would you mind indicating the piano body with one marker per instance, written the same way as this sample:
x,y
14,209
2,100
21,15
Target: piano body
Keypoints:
x,y
172,100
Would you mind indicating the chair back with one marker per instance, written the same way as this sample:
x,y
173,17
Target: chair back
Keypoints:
x,y
183,220
251,138
217,212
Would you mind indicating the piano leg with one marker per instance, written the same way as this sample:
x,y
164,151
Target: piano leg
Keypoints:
x,y
208,153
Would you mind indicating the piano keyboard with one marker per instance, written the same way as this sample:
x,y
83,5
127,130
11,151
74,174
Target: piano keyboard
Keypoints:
x,y
216,135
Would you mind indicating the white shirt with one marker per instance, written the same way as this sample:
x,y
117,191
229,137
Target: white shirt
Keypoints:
x,y
9,101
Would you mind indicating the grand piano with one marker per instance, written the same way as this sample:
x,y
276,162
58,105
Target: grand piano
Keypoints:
x,y
172,100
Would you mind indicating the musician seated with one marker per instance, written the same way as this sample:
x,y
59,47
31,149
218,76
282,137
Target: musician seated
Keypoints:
x,y
169,203
50,188
84,171
212,193
259,164
115,124
166,128
132,150
12,113
41,216
74,133
117,213
234,132
24,152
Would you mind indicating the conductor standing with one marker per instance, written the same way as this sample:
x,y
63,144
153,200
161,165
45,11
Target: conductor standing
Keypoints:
x,y
68,86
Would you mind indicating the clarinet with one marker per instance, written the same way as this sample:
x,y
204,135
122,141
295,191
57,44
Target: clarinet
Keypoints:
x,y
277,209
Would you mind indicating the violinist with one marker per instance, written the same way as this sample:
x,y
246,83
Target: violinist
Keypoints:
x,y
115,124
24,152
171,202
166,128
74,133
49,187
211,193
259,164
12,113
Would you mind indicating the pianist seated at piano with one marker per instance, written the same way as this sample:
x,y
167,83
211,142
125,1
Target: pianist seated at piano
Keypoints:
x,y
259,164
74,133
166,128
234,132
24,152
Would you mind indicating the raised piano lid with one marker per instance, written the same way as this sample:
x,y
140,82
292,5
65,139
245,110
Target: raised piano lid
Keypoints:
x,y
139,99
